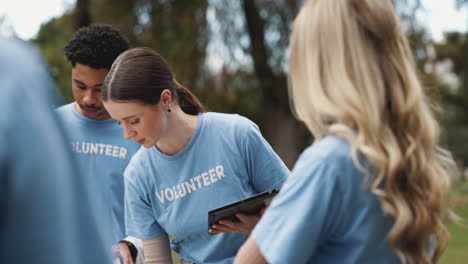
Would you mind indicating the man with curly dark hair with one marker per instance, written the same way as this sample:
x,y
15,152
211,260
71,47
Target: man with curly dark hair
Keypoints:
x,y
91,52
96,139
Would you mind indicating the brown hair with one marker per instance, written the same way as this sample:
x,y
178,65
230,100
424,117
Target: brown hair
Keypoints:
x,y
140,75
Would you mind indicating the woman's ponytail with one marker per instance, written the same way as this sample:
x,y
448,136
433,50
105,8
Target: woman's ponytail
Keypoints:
x,y
187,101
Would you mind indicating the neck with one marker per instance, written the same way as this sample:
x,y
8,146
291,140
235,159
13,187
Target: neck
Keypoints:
x,y
180,129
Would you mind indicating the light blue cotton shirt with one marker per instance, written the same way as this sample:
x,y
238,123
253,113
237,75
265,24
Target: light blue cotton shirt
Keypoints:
x,y
47,213
226,159
323,213
103,154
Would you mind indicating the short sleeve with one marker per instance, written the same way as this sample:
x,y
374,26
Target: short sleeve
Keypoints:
x,y
139,218
301,216
266,169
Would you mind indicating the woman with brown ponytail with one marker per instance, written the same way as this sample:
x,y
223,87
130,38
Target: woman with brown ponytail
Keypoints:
x,y
192,161
372,187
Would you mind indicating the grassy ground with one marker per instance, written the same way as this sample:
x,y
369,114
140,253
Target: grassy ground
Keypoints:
x,y
457,252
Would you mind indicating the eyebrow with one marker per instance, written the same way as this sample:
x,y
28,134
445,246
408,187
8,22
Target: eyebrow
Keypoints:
x,y
128,117
82,83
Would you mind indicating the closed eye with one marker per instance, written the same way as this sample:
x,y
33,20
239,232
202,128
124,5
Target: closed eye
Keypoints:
x,y
79,84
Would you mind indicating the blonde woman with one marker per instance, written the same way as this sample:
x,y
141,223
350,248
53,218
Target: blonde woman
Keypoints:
x,y
371,188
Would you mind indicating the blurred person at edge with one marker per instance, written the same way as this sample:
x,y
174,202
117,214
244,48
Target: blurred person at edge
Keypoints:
x,y
372,187
192,162
47,213
95,138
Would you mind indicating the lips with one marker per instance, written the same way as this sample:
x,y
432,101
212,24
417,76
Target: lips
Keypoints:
x,y
89,112
141,141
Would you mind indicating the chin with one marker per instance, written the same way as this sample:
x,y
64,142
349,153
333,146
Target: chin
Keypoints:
x,y
148,146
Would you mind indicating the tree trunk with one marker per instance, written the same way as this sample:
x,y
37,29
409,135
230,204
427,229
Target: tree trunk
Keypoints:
x,y
281,129
82,17
283,133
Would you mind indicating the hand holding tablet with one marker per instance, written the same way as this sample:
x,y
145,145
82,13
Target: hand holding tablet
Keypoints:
x,y
249,206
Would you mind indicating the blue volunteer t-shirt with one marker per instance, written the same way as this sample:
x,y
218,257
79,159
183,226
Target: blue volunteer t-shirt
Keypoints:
x,y
324,214
103,153
226,159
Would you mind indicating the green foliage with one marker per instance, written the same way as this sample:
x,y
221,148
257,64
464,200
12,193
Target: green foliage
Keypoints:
x,y
175,29
232,92
122,14
51,40
454,100
187,32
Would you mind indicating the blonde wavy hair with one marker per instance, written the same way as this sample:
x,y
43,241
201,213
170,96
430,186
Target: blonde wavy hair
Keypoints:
x,y
353,75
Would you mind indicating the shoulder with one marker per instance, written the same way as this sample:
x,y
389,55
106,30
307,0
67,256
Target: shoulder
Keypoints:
x,y
331,157
326,149
64,109
233,127
234,120
231,122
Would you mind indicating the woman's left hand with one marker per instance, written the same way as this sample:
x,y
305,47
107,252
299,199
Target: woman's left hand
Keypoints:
x,y
245,224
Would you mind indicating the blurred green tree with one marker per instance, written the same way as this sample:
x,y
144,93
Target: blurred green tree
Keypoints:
x,y
453,52
51,39
232,54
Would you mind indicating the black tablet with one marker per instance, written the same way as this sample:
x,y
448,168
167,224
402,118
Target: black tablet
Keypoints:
x,y
250,205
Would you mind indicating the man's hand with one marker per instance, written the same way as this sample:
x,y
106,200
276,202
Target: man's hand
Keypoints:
x,y
245,225
121,249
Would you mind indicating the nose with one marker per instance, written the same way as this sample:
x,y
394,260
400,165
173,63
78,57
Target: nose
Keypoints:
x,y
89,98
128,133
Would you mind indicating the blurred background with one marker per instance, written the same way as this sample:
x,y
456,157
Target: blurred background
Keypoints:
x,y
233,55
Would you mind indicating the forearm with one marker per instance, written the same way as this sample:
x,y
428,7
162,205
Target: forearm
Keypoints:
x,y
157,250
249,253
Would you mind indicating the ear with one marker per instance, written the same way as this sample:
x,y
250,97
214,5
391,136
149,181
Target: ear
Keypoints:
x,y
166,99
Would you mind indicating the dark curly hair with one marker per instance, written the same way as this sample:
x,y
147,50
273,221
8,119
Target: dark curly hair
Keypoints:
x,y
96,46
